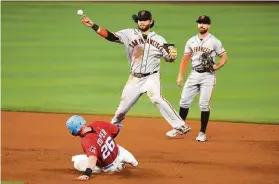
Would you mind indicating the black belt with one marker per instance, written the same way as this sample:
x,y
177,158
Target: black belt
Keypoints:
x,y
140,75
200,70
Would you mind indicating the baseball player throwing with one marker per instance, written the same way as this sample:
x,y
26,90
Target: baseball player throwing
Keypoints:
x,y
144,48
102,154
201,49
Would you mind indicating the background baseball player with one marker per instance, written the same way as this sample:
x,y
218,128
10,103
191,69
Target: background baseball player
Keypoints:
x,y
144,48
201,49
102,154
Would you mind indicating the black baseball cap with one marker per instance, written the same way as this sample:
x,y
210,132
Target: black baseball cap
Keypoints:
x,y
203,19
144,15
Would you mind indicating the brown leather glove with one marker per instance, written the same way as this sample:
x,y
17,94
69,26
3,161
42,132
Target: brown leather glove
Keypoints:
x,y
171,50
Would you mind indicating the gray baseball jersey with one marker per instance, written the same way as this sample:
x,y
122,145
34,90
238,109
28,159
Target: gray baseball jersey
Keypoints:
x,y
202,82
144,57
195,47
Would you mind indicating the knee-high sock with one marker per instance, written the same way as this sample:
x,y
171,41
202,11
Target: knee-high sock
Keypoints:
x,y
204,120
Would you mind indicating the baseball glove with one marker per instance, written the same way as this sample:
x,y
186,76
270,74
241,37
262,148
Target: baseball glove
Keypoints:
x,y
171,50
207,61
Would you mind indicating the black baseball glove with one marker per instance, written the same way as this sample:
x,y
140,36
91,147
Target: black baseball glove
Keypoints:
x,y
207,61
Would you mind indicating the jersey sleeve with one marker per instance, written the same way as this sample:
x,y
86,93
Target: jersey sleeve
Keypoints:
x,y
219,49
89,147
163,41
112,129
122,35
187,49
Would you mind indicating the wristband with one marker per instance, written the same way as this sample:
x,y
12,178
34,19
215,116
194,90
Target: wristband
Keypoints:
x,y
95,27
88,172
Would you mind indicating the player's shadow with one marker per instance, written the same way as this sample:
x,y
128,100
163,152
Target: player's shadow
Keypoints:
x,y
60,170
128,172
138,172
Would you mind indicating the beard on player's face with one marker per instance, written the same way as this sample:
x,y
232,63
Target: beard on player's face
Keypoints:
x,y
144,25
144,28
203,28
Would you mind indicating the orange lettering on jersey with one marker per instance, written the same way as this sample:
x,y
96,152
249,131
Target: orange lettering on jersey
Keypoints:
x,y
131,45
135,42
157,45
141,41
201,49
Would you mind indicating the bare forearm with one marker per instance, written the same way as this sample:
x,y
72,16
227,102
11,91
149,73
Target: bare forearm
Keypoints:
x,y
221,62
183,65
92,161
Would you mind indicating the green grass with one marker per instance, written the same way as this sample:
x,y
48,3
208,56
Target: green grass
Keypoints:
x,y
50,62
11,182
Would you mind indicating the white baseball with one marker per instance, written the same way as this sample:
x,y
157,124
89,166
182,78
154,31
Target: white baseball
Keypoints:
x,y
80,12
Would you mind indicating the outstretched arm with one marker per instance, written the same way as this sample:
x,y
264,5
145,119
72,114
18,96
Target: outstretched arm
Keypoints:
x,y
99,30
92,161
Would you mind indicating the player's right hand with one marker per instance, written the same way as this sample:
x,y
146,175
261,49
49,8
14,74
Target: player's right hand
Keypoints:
x,y
179,80
87,21
83,178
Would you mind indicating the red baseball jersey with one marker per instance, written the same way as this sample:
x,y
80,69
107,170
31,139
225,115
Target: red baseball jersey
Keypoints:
x,y
100,142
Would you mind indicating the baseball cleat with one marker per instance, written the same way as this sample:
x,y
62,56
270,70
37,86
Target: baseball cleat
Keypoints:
x,y
201,137
178,131
121,166
135,164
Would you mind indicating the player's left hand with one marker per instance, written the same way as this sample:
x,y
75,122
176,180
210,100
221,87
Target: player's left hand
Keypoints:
x,y
83,178
173,52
